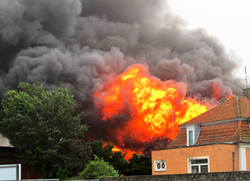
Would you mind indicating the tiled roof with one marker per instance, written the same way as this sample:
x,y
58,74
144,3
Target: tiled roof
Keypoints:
x,y
225,132
220,124
180,140
237,107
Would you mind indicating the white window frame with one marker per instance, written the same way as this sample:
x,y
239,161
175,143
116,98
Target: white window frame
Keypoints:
x,y
162,163
198,158
10,172
196,132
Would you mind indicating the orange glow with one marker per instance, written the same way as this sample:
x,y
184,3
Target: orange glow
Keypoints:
x,y
217,92
116,149
146,104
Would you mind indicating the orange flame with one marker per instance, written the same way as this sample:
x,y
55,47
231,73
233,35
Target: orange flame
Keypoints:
x,y
217,92
155,108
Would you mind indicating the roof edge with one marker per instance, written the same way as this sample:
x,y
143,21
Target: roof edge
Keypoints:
x,y
217,122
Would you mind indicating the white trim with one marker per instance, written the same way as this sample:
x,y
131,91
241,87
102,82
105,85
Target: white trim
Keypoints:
x,y
10,170
162,163
197,158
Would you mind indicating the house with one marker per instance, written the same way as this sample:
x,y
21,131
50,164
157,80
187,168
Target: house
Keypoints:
x,y
215,141
9,163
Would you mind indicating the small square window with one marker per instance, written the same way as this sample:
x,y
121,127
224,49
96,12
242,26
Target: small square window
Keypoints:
x,y
160,165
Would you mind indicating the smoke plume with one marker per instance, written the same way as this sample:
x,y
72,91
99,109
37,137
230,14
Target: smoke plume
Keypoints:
x,y
86,44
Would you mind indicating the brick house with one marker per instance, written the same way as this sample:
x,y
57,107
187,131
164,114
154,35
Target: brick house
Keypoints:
x,y
215,141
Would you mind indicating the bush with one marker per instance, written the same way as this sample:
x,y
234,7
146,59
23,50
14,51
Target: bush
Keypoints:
x,y
97,169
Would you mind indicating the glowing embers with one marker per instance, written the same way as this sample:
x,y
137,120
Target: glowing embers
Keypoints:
x,y
145,104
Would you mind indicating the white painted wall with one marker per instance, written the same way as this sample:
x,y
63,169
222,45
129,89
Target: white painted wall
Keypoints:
x,y
4,141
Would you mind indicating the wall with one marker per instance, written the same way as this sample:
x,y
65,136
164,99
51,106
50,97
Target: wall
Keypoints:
x,y
220,156
248,158
222,176
4,141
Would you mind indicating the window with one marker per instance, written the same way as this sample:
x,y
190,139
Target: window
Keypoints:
x,y
160,165
191,138
193,132
198,165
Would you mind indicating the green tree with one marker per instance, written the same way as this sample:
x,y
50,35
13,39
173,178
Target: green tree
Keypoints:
x,y
138,165
101,151
79,155
97,169
116,159
118,162
41,124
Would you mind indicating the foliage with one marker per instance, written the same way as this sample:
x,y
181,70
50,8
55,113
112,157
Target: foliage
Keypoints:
x,y
40,125
97,169
79,155
116,159
101,151
118,162
138,165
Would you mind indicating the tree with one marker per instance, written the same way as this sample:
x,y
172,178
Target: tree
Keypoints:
x,y
40,125
101,151
97,169
118,162
138,165
79,155
116,159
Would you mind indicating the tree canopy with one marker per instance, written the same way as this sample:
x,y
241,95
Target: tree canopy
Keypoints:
x,y
41,125
97,169
116,159
138,165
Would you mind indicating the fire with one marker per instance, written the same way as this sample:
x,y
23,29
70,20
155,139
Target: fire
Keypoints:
x,y
145,106
218,91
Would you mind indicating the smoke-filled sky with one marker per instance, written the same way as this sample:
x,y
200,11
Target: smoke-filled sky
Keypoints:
x,y
224,19
85,44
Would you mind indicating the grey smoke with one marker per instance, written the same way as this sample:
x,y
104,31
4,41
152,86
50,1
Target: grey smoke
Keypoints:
x,y
86,44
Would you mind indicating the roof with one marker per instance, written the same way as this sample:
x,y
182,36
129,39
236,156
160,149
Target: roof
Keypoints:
x,y
237,107
226,123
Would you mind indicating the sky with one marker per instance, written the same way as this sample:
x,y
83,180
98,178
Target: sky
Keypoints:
x,y
225,19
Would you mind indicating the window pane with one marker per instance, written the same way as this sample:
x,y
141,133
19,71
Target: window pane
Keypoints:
x,y
199,161
204,168
190,135
195,169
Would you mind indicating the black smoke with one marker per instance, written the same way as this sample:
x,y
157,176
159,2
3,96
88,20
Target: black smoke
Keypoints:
x,y
86,44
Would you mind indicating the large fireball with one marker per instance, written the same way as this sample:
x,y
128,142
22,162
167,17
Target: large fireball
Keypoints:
x,y
155,108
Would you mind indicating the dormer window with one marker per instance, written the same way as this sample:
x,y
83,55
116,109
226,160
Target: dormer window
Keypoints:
x,y
193,132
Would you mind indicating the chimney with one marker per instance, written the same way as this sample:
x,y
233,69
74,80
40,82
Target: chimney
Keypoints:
x,y
246,93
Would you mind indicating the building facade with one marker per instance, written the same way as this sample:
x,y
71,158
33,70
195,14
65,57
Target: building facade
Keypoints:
x,y
215,141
